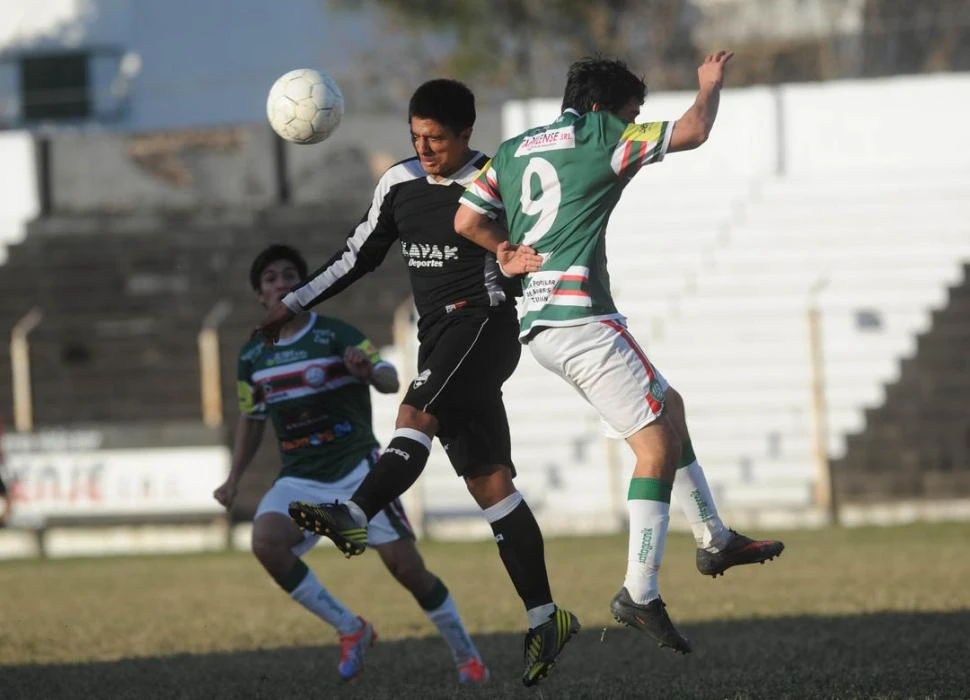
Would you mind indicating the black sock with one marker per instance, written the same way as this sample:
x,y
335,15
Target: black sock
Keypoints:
x,y
520,545
399,466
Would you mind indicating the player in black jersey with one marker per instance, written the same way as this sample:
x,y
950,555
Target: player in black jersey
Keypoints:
x,y
467,330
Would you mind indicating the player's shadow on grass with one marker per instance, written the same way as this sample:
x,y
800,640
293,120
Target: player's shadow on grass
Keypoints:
x,y
885,655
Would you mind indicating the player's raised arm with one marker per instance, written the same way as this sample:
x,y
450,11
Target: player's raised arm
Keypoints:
x,y
693,128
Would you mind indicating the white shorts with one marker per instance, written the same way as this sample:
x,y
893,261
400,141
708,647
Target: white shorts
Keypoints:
x,y
604,363
389,525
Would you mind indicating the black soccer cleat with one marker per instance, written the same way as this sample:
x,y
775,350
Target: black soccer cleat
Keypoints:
x,y
332,520
739,550
650,618
544,643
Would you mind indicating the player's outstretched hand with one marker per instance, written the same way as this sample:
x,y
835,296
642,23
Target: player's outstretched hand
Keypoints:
x,y
226,494
269,329
517,259
711,72
357,363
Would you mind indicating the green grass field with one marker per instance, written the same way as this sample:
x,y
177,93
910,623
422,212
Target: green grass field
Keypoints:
x,y
854,613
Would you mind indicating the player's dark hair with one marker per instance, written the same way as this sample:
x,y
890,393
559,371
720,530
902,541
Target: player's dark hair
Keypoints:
x,y
603,81
448,102
270,255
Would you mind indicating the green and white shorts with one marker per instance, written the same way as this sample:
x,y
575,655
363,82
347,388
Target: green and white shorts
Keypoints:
x,y
606,365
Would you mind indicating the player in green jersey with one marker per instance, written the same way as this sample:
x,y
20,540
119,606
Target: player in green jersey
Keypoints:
x,y
557,186
314,385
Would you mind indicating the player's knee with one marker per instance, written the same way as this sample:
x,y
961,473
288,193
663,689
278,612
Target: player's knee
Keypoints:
x,y
416,419
675,409
269,545
488,489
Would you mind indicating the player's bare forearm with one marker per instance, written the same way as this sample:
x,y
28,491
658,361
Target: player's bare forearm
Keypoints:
x,y
480,229
249,436
513,259
694,127
384,379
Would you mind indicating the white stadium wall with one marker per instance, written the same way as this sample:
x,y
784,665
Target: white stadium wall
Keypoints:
x,y
18,183
903,123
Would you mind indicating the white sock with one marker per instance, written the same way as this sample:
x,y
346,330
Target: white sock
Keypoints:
x,y
446,618
695,499
315,598
540,615
649,520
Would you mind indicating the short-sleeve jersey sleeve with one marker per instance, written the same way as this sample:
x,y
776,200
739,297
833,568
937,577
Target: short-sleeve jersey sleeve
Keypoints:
x,y
639,145
251,401
483,193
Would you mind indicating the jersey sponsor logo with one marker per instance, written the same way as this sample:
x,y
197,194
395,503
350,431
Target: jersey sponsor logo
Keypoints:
x,y
421,379
552,140
558,288
323,336
281,357
253,352
322,437
428,255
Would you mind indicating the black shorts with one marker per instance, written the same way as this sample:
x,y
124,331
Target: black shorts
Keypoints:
x,y
463,361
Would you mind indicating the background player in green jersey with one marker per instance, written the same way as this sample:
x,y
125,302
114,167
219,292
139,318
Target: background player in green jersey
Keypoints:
x,y
314,385
557,186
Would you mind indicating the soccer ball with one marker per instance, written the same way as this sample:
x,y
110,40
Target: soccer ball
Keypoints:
x,y
304,106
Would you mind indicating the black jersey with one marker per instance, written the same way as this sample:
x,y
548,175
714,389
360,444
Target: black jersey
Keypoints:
x,y
410,209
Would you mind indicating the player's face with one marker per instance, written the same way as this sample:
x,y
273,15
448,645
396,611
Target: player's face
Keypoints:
x,y
277,280
630,111
440,150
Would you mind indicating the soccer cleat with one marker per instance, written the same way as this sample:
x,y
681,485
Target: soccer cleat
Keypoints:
x,y
352,648
473,671
650,618
739,550
544,643
331,520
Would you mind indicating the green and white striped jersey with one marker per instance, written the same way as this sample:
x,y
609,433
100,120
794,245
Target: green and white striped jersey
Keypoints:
x,y
558,185
321,413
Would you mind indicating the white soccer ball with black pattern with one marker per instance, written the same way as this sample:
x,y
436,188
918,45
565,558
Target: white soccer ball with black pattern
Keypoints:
x,y
304,106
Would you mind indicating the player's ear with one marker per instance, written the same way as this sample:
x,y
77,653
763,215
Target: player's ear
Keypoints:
x,y
596,107
466,134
